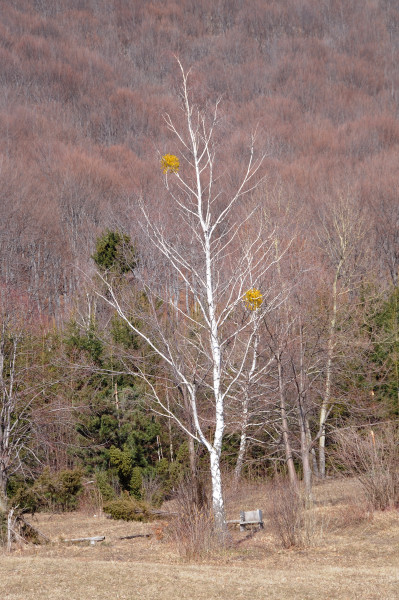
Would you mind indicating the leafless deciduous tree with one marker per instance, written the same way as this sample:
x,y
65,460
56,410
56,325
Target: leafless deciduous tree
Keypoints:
x,y
342,231
219,251
18,393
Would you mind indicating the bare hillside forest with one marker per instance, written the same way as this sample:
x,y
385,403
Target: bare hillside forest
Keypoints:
x,y
199,298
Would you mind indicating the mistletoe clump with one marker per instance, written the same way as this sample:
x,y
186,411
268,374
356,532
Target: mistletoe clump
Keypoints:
x,y
170,163
253,299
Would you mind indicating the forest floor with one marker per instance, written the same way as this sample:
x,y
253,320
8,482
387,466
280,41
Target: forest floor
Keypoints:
x,y
350,555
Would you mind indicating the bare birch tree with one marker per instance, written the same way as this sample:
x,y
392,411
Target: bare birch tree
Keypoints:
x,y
220,253
341,234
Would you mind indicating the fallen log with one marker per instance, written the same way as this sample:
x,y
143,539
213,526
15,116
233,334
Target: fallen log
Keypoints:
x,y
137,535
92,540
34,529
163,513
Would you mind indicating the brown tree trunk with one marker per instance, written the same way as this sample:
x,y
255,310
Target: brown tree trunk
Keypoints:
x,y
305,455
192,454
284,422
243,440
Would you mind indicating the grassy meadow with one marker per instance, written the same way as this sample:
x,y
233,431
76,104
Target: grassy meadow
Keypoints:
x,y
349,554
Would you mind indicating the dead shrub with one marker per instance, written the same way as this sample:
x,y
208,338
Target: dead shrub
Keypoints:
x,y
285,513
352,514
159,530
294,521
91,500
192,529
372,456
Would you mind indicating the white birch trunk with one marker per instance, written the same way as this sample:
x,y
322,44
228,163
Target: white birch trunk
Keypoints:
x,y
10,529
204,207
217,495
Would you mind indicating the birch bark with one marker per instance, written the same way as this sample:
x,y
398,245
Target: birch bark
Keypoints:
x,y
206,353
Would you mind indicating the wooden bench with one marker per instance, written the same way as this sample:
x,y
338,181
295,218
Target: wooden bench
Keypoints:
x,y
249,517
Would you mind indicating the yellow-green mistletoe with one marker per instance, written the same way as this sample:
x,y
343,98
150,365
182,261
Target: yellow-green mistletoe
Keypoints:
x,y
170,163
253,299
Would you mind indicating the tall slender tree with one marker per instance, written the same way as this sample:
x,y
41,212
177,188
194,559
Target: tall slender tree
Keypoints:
x,y
206,334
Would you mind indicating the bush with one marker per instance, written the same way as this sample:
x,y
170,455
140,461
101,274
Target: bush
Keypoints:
x,y
68,489
295,522
51,491
192,530
28,499
127,509
372,456
286,513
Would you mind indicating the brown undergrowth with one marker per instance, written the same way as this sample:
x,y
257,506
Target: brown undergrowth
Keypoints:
x,y
355,556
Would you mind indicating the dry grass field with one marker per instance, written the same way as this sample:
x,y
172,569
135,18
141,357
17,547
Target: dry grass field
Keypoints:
x,y
349,556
